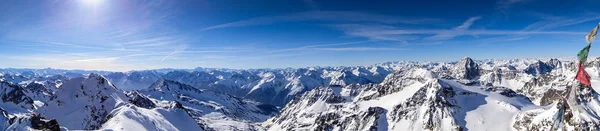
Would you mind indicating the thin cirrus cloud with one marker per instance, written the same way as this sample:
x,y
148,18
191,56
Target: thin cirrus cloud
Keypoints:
x,y
176,51
378,31
358,49
344,16
311,47
551,22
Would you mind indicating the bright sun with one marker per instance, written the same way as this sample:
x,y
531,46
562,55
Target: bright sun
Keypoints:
x,y
92,2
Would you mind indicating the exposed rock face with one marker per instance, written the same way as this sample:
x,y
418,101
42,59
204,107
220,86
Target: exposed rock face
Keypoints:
x,y
141,100
41,123
466,69
540,68
438,103
39,92
10,93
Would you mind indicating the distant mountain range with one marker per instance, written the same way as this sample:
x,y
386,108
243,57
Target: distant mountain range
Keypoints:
x,y
517,94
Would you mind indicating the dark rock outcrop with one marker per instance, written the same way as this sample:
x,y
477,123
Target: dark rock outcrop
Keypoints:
x,y
540,68
466,69
11,93
141,101
41,123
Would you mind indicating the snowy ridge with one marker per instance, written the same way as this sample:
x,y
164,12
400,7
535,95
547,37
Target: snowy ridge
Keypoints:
x,y
460,96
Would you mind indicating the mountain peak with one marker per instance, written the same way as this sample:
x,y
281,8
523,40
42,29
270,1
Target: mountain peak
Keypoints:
x,y
95,76
467,58
164,85
466,69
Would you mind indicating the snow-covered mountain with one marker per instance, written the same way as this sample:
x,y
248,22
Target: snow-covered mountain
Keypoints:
x,y
466,95
84,102
93,102
277,87
134,80
13,98
518,94
211,110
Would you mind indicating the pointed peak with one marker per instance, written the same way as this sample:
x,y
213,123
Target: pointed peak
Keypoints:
x,y
158,84
466,58
161,82
95,75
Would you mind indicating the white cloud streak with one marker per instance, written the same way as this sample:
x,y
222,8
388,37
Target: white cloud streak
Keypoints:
x,y
380,32
328,16
467,24
310,47
358,49
552,22
176,51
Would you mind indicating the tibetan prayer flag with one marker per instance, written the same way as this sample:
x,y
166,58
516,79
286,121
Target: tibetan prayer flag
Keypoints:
x,y
583,76
583,54
590,37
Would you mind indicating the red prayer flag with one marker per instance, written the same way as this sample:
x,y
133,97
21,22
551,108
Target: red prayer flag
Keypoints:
x,y
583,76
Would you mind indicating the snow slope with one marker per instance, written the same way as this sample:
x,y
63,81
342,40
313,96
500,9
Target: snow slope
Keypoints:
x,y
133,118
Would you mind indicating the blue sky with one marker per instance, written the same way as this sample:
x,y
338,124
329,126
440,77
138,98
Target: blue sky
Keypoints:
x,y
121,35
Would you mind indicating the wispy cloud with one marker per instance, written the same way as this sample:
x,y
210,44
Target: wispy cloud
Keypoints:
x,y
109,59
213,51
310,47
551,22
48,43
501,39
324,16
467,24
370,31
377,32
176,51
358,49
75,62
451,34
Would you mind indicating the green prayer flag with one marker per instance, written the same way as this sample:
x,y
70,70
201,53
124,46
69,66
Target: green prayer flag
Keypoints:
x,y
583,54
